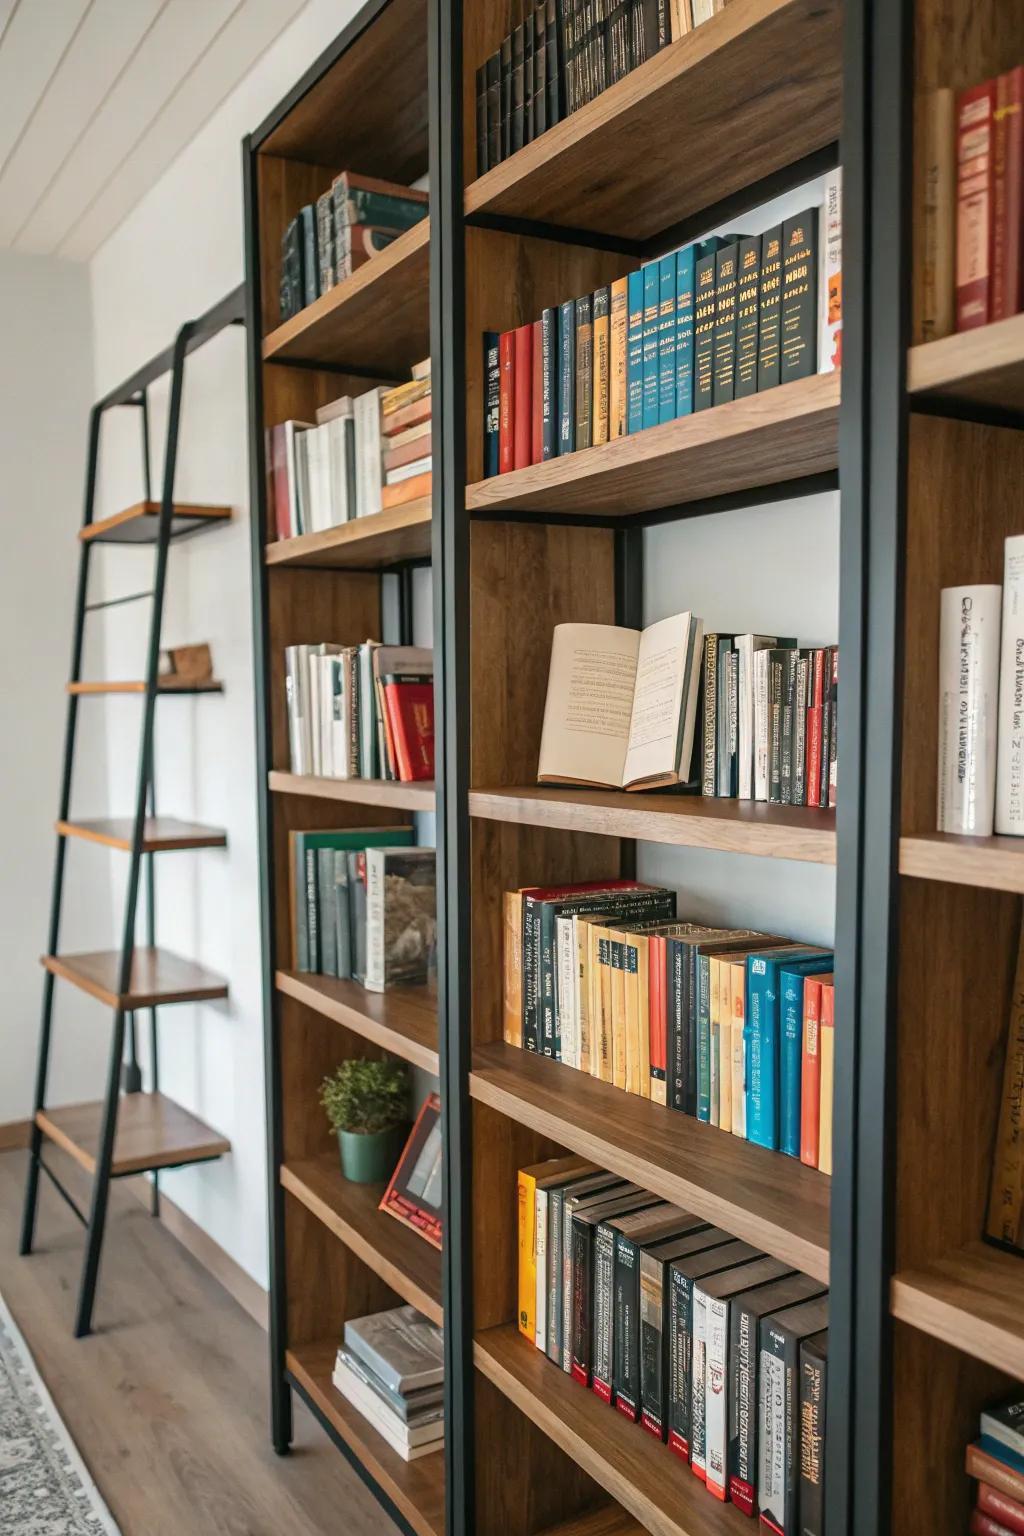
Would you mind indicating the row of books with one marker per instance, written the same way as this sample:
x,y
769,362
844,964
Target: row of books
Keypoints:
x,y
714,1348
717,321
564,54
971,203
360,711
732,1027
349,224
363,906
996,1461
390,1368
360,456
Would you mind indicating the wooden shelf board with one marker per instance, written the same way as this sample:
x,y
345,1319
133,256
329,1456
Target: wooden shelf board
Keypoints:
x,y
973,1299
691,821
417,796
402,1020
379,318
152,1132
609,1521
158,977
586,171
164,685
763,1197
979,367
996,863
140,524
415,1487
163,834
785,434
403,1260
382,539
637,1470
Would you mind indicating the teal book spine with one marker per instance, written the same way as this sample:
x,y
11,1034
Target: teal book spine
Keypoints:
x,y
301,919
684,331
791,1042
650,344
759,1073
704,1038
667,338
634,352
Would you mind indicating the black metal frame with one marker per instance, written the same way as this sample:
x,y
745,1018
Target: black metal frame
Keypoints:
x,y
132,392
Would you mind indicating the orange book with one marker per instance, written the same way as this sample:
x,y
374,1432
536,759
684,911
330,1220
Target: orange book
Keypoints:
x,y
826,1043
405,416
810,1072
412,489
513,996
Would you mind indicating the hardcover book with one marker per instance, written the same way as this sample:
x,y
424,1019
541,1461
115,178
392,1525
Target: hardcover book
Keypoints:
x,y
748,309
549,383
975,111
567,377
522,408
812,1415
1009,807
602,364
763,1032
506,401
401,917
584,371
704,332
935,283
769,352
617,387
634,352
685,261
596,1189
778,1412
631,1234
969,638
585,1222
649,343
403,1349
655,1265
492,403
1005,1219
799,321
724,334
684,1274
526,1205
667,338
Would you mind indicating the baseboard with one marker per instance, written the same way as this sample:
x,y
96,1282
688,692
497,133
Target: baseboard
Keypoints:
x,y
14,1133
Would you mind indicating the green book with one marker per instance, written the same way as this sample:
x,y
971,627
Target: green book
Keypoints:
x,y
309,947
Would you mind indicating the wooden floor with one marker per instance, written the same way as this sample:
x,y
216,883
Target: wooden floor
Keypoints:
x,y
167,1402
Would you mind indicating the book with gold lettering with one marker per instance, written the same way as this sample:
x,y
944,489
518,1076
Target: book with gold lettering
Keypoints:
x,y
618,323
602,365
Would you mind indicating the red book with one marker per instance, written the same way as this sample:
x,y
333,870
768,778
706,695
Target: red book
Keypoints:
x,y
975,111
984,1525
522,414
810,1072
279,480
814,729
1007,201
537,398
1001,1508
506,399
409,701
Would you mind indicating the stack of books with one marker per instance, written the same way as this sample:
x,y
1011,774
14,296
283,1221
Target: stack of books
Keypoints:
x,y
732,1027
405,424
361,711
996,1461
564,54
349,224
391,1369
713,1347
729,317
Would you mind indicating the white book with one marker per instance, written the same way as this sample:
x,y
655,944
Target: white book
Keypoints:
x,y
369,477
771,1423
315,715
410,1444
969,637
408,471
697,1422
302,510
293,431
565,994
540,1337
746,646
830,283
762,729
341,470
1009,816
328,681
334,409
296,682
716,1375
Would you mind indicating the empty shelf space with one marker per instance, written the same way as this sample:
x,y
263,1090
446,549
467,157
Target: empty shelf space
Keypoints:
x,y
973,1299
402,1020
158,977
140,524
162,834
417,796
379,540
984,366
152,1132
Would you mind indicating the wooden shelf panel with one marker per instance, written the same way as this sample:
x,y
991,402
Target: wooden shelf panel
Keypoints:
x,y
415,1487
689,821
996,863
785,434
377,319
140,524
586,171
973,1299
152,1132
418,796
380,540
158,977
641,1473
162,834
403,1260
402,1020
610,1521
980,367
164,685
763,1197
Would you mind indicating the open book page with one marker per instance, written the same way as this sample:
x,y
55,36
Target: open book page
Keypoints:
x,y
659,702
589,704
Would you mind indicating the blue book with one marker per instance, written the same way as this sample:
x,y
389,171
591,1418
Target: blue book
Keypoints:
x,y
549,355
791,1049
761,1035
667,338
649,343
567,377
492,403
634,352
990,1446
703,1015
684,331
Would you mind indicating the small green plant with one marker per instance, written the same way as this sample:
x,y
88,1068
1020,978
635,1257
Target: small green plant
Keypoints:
x,y
366,1096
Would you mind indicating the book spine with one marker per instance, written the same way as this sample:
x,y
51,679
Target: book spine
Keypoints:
x,y
968,693
771,1476
675,1005
529,63
482,162
492,403
505,96
549,383
704,332
743,1409
513,968
680,1322
634,352
811,1418
799,340
531,972
651,280
790,1064
603,1313
626,1328
708,780
567,377
602,361
769,353
993,1473
723,387
493,68
1005,1514
685,260
652,1344
938,222
617,389
656,1019
540,70
582,1301
522,410
815,701
810,1074
540,1248
553,71
760,1058
1009,808
667,338
826,1047
833,714
786,718
526,1196
506,401
312,911
568,1294
556,1216
776,689
518,122
690,1031
830,287
537,394
698,1376
737,999
975,110
704,1038
748,308
716,1381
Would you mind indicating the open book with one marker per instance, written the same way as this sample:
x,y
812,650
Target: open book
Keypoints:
x,y
622,704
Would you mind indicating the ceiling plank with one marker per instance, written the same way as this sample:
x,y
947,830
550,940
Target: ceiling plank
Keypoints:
x,y
32,46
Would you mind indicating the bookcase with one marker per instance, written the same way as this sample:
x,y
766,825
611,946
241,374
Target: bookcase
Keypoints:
x,y
924,446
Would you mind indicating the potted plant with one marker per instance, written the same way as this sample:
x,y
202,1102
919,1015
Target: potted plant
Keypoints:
x,y
367,1103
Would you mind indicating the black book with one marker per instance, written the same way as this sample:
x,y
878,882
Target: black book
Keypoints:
x,y
748,300
567,377
813,1397
650,29
704,332
630,1234
505,85
540,66
584,20
310,262
291,270
566,38
584,1227
518,126
779,1411
799,327
655,1264
619,39
584,372
492,402
683,1274
553,62
549,383
482,163
726,277
599,51
768,353
493,68
528,81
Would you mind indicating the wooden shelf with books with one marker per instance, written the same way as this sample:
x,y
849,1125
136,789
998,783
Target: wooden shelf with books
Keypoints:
x,y
690,821
996,863
586,171
637,1470
972,1298
397,1254
760,1196
403,1020
786,433
389,793
378,540
982,367
416,1488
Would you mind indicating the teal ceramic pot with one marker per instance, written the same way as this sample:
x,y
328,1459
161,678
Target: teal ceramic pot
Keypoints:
x,y
371,1158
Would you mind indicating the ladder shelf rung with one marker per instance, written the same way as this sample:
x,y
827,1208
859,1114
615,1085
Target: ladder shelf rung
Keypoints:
x,y
140,524
152,1132
162,834
159,977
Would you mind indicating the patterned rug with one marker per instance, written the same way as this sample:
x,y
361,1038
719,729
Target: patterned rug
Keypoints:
x,y
44,1487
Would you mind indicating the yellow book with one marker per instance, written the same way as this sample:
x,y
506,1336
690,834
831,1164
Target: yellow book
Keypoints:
x,y
601,366
526,1195
737,997
724,1044
584,927
826,1047
617,359
513,991
601,1049
616,963
641,962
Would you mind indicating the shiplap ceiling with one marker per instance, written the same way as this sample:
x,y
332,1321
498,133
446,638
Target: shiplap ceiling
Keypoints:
x,y
97,97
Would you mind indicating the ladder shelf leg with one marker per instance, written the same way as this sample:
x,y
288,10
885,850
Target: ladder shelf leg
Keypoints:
x,y
101,1184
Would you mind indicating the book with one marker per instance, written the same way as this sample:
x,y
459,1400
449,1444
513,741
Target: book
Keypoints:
x,y
603,1283
366,411
505,95
748,309
778,1411
593,1190
737,1049
1003,1513
1004,1421
409,1441
634,351
547,362
649,343
975,110
418,1406
413,1194
630,1236
830,284
934,281
401,917
362,199
996,1465
492,403
493,78
1007,200
1004,1221
567,377
667,338
798,324
635,695
769,351
585,1221
306,890
325,243
704,330
522,401
655,1335
723,364
685,261
793,987
812,1405
310,259
1009,806
684,1273
763,1032
810,1072
404,1349
826,1039
546,1189
506,401
969,626
512,928
584,386
526,1205
537,393
617,386
517,126
602,364
714,644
